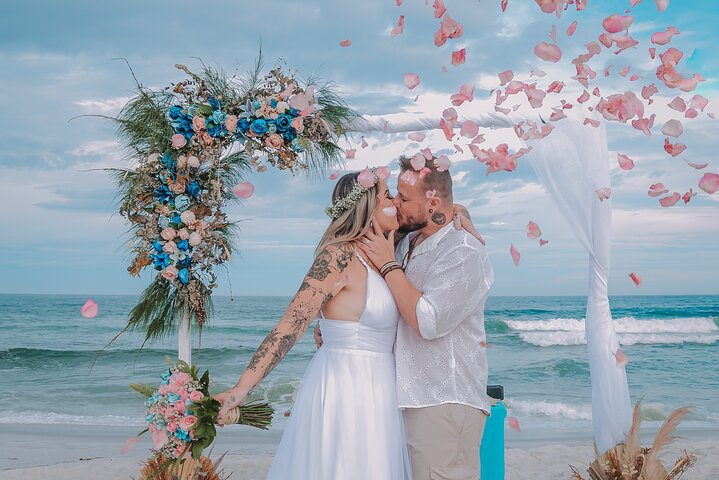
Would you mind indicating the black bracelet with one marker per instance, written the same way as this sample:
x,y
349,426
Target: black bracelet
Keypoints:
x,y
393,267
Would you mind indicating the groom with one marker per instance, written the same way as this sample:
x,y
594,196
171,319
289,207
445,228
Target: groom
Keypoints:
x,y
440,290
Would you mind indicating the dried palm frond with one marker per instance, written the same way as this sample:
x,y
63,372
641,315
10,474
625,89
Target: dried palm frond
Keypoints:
x,y
204,469
631,461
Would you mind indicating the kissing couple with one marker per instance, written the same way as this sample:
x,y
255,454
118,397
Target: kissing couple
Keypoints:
x,y
397,388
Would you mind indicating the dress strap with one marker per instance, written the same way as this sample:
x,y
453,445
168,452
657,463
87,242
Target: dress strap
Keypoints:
x,y
362,260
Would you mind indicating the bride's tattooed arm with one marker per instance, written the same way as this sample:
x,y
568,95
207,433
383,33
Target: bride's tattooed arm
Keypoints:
x,y
319,286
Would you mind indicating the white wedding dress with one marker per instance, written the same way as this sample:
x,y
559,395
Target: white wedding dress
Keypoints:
x,y
346,423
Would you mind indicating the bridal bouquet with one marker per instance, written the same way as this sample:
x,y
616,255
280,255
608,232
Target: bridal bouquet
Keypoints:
x,y
193,142
181,414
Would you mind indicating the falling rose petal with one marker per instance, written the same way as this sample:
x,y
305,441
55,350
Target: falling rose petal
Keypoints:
x,y
691,113
698,102
457,148
418,162
644,124
635,278
345,43
439,8
709,183
364,143
617,23
661,4
442,163
416,136
538,73
698,166
657,190
129,445
662,38
469,129
459,57
243,190
513,423
424,172
504,5
505,77
625,163
543,242
366,178
399,2
711,115
411,80
383,173
634,2
515,254
444,69
604,193
553,34
548,52
673,128
466,94
634,78
427,152
688,196
390,211
606,70
450,115
671,200
533,230
674,149
534,95
446,129
653,53
555,87
592,122
648,91
334,175
572,28
624,71
596,92
448,28
89,310
408,177
350,153
431,193
399,29
621,358
584,97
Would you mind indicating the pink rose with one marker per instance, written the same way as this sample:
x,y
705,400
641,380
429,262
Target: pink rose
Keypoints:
x,y
184,234
230,123
298,124
193,162
168,233
274,141
195,239
170,272
272,115
196,396
365,178
159,438
162,390
188,422
170,247
172,426
180,407
188,217
178,141
198,123
181,378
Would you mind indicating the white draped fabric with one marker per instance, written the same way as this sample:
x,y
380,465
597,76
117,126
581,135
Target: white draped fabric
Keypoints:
x,y
571,163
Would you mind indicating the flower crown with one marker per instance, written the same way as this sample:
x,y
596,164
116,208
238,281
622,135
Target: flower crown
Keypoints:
x,y
368,178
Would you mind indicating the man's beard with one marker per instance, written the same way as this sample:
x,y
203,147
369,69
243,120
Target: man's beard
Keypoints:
x,y
411,225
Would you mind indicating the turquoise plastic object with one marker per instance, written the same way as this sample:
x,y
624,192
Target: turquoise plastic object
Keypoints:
x,y
491,451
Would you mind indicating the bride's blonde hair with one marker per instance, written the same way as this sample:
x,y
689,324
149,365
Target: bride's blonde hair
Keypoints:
x,y
353,222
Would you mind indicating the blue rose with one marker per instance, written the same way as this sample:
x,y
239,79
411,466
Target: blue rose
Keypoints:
x,y
183,276
215,103
181,122
163,223
271,128
283,122
184,262
243,125
294,112
163,194
169,161
215,124
175,218
173,397
157,246
183,245
160,260
175,111
296,146
182,203
259,126
193,188
182,435
166,377
273,103
256,104
290,134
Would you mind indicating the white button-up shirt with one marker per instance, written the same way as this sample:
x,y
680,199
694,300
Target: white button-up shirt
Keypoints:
x,y
448,363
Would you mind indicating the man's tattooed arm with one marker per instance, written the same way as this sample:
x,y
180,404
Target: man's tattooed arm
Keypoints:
x,y
319,286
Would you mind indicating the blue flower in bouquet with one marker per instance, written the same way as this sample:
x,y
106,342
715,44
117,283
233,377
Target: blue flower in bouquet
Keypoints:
x,y
215,124
175,218
157,245
163,222
150,418
182,435
163,194
193,188
290,134
184,275
183,245
169,161
259,126
273,103
166,377
173,397
271,128
283,122
160,260
243,125
182,203
215,103
294,112
181,122
296,146
184,262
256,104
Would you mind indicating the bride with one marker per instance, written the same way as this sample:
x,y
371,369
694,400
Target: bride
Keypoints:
x,y
346,423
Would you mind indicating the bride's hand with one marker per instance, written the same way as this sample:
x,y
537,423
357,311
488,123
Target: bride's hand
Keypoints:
x,y
234,397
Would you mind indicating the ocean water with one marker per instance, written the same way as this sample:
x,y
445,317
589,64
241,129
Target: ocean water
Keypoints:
x,y
537,351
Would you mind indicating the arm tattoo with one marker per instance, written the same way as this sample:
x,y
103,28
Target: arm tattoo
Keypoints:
x,y
439,218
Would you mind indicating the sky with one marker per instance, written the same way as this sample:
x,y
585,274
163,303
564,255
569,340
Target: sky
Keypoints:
x,y
59,61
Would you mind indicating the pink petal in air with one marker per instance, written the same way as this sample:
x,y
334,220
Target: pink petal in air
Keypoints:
x,y
442,163
408,177
635,278
350,153
662,38
469,129
364,143
399,29
538,73
533,230
583,97
648,91
617,23
459,57
698,166
548,52
709,183
691,113
673,128
657,190
417,162
698,102
515,254
592,122
411,80
439,8
514,424
670,200
572,28
345,43
416,136
543,242
505,77
504,5
366,178
634,2
661,4
674,149
130,444
652,52
89,310
688,196
621,357
604,193
243,190
334,175
625,163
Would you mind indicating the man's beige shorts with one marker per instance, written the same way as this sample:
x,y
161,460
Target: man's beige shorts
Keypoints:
x,y
444,441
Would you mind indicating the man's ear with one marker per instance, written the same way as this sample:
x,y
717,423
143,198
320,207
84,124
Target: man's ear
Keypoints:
x,y
435,203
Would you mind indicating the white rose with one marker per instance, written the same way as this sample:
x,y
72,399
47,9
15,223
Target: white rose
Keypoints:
x,y
195,239
193,162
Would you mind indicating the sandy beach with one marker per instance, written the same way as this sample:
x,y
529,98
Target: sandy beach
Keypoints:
x,y
91,452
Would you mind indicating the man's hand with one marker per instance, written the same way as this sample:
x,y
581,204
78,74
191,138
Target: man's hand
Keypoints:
x,y
234,397
318,336
462,220
378,249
